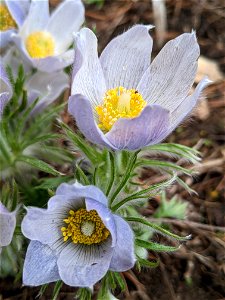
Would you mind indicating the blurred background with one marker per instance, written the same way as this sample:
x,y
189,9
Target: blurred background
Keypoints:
x,y
197,270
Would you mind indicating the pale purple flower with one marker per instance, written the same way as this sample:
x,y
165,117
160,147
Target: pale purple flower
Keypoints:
x,y
13,12
44,40
47,86
66,245
124,71
5,89
7,225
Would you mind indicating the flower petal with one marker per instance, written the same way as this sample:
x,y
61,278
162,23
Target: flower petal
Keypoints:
x,y
126,57
54,63
123,257
88,78
7,225
80,191
48,86
84,265
188,104
40,265
105,215
171,74
133,134
43,225
71,14
80,108
37,17
18,10
5,37
185,108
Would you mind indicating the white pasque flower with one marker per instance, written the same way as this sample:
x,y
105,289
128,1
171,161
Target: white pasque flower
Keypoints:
x,y
122,100
44,40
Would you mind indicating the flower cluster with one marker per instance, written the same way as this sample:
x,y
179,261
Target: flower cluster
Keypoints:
x,y
122,102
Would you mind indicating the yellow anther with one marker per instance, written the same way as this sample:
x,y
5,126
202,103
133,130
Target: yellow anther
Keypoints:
x,y
40,44
119,103
6,20
84,227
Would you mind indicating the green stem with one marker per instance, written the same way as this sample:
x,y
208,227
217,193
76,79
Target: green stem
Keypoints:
x,y
126,176
112,173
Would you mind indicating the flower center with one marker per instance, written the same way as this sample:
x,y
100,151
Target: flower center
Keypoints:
x,y
119,103
40,44
84,227
6,20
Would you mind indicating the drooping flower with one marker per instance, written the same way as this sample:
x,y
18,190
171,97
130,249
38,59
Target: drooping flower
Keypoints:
x,y
76,239
7,225
44,40
12,15
46,86
120,100
5,89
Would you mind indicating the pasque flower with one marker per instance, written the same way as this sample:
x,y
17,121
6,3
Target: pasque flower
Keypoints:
x,y
5,89
76,239
46,86
7,225
12,15
121,100
44,40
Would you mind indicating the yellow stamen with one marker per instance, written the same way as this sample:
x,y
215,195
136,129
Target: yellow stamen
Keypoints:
x,y
119,103
84,227
40,44
6,20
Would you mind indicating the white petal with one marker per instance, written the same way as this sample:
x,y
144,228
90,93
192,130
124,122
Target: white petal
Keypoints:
x,y
40,265
7,225
84,265
88,78
66,19
188,104
171,74
123,257
126,57
42,225
48,86
37,17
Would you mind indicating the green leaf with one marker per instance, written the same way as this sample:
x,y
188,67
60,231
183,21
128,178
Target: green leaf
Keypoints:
x,y
155,246
52,183
185,186
57,289
173,208
81,144
162,165
176,150
147,263
80,175
145,193
83,294
38,164
42,290
158,228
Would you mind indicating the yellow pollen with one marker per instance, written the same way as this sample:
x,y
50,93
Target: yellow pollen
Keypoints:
x,y
84,227
119,103
40,44
6,20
